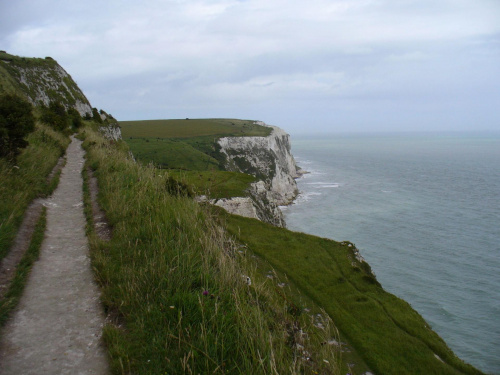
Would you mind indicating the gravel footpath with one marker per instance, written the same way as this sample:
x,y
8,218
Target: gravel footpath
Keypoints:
x,y
57,326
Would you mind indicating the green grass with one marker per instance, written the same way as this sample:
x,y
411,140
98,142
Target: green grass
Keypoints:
x,y
170,154
192,128
27,179
215,184
191,166
386,332
16,287
191,146
166,251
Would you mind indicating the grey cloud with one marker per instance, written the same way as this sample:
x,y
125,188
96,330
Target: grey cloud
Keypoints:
x,y
358,63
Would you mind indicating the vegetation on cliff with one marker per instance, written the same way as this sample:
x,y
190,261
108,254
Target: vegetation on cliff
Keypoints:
x,y
188,149
41,81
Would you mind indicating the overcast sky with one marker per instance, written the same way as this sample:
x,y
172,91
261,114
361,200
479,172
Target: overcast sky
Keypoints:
x,y
306,66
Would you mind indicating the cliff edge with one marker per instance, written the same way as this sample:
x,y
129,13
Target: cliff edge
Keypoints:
x,y
270,160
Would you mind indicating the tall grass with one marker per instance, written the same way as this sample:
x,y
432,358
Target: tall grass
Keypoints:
x,y
175,285
26,179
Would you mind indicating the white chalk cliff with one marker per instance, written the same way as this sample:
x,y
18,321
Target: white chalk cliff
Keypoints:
x,y
268,159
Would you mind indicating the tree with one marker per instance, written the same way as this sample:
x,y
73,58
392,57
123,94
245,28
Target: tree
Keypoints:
x,y
16,121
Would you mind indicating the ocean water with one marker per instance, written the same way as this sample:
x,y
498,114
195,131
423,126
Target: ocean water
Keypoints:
x,y
424,210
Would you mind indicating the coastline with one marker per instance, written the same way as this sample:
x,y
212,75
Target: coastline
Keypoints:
x,y
388,222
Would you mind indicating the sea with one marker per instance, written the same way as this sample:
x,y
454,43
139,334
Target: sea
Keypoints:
x,y
424,210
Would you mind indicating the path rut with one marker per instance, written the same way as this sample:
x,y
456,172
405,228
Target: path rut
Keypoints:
x,y
57,326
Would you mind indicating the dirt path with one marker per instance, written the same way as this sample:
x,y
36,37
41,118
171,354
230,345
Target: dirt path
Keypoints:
x,y
57,326
23,238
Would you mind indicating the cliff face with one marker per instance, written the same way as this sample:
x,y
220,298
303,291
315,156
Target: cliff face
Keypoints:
x,y
111,131
270,160
41,81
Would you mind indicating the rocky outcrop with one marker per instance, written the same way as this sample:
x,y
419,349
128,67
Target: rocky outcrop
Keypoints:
x,y
111,131
243,206
42,81
270,160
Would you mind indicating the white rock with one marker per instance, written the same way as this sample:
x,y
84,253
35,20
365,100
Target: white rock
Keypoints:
x,y
270,159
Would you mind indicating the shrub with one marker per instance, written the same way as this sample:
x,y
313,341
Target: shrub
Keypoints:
x,y
96,116
16,121
55,115
75,118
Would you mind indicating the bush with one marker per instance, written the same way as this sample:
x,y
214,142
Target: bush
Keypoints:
x,y
16,121
75,118
55,115
96,116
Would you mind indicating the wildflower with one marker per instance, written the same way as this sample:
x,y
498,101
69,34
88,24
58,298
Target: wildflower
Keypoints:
x,y
205,292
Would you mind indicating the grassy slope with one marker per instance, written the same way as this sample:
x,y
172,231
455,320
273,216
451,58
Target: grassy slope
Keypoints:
x,y
386,331
215,184
171,154
371,319
27,179
36,71
189,146
165,252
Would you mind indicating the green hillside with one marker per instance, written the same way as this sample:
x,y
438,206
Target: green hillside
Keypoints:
x,y
386,332
41,81
189,145
175,285
382,332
